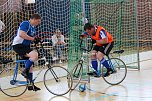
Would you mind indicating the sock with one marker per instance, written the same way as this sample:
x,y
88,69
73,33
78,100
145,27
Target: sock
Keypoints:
x,y
28,64
105,63
31,77
95,64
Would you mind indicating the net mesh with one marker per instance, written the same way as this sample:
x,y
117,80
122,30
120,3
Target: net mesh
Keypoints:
x,y
75,30
127,20
145,28
55,18
77,20
118,17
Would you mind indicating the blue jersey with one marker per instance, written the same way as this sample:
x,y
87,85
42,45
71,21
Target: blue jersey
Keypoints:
x,y
27,28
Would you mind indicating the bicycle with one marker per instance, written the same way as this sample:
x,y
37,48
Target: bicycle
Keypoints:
x,y
116,64
56,78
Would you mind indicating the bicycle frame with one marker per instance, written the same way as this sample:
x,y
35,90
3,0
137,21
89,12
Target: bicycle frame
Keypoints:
x,y
20,61
99,69
16,68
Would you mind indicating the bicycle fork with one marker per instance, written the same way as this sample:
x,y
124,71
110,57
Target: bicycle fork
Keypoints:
x,y
54,75
13,81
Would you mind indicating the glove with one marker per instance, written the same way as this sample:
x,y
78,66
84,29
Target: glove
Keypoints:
x,y
81,36
37,40
93,41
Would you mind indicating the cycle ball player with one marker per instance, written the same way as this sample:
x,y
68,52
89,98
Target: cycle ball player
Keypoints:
x,y
21,45
104,44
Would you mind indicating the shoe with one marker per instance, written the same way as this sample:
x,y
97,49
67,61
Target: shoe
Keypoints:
x,y
109,71
33,87
25,73
30,88
94,73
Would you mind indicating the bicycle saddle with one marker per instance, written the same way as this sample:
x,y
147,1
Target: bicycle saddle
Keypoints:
x,y
119,51
5,60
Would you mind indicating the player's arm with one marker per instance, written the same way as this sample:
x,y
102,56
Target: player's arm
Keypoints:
x,y
24,28
103,36
83,35
24,35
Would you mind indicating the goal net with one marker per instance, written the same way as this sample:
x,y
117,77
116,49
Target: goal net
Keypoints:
x,y
55,19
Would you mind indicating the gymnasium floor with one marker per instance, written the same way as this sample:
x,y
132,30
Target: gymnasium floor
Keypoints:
x,y
136,87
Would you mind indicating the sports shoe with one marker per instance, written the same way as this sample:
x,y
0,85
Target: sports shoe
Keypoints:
x,y
94,73
109,71
33,87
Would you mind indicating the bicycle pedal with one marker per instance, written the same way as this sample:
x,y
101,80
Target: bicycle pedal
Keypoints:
x,y
30,88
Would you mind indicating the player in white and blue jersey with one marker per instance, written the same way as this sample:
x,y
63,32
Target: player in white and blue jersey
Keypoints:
x,y
21,45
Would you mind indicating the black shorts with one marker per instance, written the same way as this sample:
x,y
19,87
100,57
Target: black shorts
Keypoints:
x,y
105,49
22,50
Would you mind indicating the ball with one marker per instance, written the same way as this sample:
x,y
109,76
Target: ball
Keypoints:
x,y
82,87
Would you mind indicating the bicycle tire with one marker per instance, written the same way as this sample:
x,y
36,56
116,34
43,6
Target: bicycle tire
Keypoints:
x,y
8,86
121,67
55,80
77,75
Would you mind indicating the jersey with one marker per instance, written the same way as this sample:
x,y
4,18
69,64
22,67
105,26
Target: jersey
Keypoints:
x,y
101,33
27,28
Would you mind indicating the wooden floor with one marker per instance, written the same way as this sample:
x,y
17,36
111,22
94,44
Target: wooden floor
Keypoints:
x,y
136,87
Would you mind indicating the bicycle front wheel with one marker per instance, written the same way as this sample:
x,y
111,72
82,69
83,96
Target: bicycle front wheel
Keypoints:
x,y
10,87
58,80
77,75
120,71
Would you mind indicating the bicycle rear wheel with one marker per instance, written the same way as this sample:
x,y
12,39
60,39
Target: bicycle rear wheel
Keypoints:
x,y
56,80
77,75
120,72
10,87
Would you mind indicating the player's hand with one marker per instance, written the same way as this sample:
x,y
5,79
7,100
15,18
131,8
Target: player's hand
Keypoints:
x,y
3,28
81,37
37,40
93,41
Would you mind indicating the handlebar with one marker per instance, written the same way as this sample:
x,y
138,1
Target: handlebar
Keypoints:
x,y
87,49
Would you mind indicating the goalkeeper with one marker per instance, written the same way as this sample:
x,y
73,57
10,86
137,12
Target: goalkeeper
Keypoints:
x,y
21,45
104,44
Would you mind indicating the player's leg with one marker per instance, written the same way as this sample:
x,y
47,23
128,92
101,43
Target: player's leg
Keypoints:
x,y
33,56
26,53
94,61
104,62
105,50
31,85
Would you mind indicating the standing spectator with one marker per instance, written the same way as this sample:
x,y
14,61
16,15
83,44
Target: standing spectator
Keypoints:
x,y
2,26
84,19
58,44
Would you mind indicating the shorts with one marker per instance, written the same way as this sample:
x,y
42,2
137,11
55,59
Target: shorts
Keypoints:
x,y
105,49
22,50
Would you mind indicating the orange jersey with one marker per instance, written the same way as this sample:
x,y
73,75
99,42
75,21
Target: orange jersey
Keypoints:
x,y
97,35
